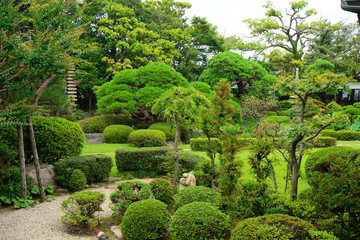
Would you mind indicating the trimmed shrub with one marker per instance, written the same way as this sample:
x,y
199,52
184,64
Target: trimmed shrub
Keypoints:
x,y
147,138
147,219
72,118
196,194
148,159
201,87
187,162
270,113
323,142
117,133
201,144
95,167
277,226
328,133
347,135
199,220
162,190
56,138
77,179
167,128
127,193
80,207
276,119
97,124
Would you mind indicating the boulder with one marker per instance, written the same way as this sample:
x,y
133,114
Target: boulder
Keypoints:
x,y
47,173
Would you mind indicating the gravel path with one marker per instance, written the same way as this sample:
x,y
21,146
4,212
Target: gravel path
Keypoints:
x,y
43,221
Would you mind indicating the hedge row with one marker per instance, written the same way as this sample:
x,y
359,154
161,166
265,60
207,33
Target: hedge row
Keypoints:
x,y
95,167
323,142
97,124
342,135
201,144
167,128
147,138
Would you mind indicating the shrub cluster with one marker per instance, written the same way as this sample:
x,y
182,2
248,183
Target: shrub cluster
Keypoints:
x,y
147,138
117,133
162,190
167,128
141,158
77,179
127,193
276,119
97,124
72,118
201,144
146,219
95,167
323,142
199,220
196,194
342,135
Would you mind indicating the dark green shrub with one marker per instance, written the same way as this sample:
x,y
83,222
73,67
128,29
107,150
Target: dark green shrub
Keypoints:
x,y
270,113
323,142
276,119
204,174
147,138
202,87
329,133
127,193
167,128
277,226
147,219
196,194
162,190
148,159
72,118
80,208
95,167
333,175
9,144
77,179
201,144
117,133
347,135
283,113
97,124
199,220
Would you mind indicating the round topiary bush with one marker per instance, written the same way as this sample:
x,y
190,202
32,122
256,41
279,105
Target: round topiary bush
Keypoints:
x,y
147,219
199,220
167,128
196,194
127,193
77,179
162,190
97,124
277,226
147,138
57,138
117,133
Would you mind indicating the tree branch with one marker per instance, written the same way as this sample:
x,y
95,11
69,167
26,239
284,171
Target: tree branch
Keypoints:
x,y
41,90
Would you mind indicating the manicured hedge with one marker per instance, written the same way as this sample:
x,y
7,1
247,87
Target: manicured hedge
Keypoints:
x,y
97,124
167,128
201,144
196,194
95,167
342,135
141,158
117,133
322,142
147,138
162,190
328,133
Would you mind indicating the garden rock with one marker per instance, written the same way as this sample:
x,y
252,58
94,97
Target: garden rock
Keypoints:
x,y
94,138
116,230
47,173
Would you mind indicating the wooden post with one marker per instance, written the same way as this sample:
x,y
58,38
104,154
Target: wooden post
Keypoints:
x,y
22,161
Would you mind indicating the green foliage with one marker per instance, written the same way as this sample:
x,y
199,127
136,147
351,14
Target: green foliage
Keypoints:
x,y
72,118
199,220
140,159
201,144
77,179
162,190
23,203
97,124
347,135
329,133
321,66
204,175
333,107
146,219
117,133
192,194
201,87
95,167
166,128
323,142
276,120
80,208
147,138
127,193
276,226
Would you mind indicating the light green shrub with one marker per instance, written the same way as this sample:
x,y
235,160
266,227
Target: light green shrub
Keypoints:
x,y
147,138
117,133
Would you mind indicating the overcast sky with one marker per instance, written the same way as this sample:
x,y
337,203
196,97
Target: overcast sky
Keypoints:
x,y
228,15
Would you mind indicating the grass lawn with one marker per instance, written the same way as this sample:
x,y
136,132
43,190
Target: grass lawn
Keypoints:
x,y
280,165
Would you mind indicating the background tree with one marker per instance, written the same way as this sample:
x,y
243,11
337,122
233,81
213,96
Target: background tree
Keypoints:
x,y
181,106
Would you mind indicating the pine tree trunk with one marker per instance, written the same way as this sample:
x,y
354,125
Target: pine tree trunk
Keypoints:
x,y
36,160
176,155
22,161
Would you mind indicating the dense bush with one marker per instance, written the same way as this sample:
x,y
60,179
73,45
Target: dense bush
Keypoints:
x,y
199,220
147,219
333,175
9,144
276,119
162,190
77,179
322,142
127,193
201,144
95,167
277,226
80,207
270,113
329,133
72,118
57,138
347,135
196,194
117,133
97,124
141,159
167,128
147,138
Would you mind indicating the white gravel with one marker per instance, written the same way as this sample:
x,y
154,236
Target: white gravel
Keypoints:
x,y
43,221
